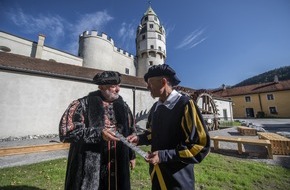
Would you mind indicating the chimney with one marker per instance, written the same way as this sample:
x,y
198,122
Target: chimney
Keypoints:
x,y
224,86
39,48
276,79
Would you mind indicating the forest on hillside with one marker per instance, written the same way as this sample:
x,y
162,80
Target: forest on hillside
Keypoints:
x,y
283,73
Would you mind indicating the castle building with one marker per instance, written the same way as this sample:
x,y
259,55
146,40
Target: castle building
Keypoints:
x,y
40,81
98,51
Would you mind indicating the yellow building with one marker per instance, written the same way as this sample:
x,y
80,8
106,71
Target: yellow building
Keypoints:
x,y
270,99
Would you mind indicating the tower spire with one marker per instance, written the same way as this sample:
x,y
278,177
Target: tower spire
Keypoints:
x,y
150,42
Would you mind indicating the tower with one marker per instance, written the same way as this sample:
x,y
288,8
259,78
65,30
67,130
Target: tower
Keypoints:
x,y
150,42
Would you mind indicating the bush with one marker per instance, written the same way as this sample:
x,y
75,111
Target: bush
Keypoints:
x,y
260,114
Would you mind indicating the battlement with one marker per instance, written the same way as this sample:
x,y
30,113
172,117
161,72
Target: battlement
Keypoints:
x,y
103,36
121,51
94,33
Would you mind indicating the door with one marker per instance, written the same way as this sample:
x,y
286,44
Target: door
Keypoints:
x,y
250,112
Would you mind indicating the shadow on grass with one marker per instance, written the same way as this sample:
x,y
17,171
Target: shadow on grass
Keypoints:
x,y
280,160
246,155
20,187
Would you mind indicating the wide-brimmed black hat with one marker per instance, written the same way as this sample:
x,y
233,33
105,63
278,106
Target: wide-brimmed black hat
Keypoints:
x,y
107,78
162,70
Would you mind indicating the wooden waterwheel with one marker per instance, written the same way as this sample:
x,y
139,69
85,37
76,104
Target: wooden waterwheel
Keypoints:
x,y
206,105
208,109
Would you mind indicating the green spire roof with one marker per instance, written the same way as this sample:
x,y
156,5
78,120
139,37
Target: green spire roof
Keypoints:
x,y
149,11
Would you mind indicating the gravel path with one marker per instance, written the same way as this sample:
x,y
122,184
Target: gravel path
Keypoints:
x,y
251,152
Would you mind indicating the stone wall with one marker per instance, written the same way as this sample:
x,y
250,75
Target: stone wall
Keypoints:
x,y
33,104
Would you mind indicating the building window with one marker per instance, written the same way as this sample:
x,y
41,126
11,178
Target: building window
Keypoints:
x,y
150,63
4,49
273,110
152,46
270,97
225,114
248,98
127,71
159,37
143,37
146,18
159,48
151,26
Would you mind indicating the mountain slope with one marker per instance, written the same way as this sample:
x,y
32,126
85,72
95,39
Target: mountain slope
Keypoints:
x,y
283,73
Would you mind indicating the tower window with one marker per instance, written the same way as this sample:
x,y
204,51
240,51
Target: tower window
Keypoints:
x,y
127,71
155,18
143,37
150,63
151,26
159,37
152,46
146,18
152,54
159,48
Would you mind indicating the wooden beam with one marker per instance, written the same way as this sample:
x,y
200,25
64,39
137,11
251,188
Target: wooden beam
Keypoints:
x,y
33,149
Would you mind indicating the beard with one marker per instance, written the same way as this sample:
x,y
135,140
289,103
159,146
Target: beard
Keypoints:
x,y
110,96
152,95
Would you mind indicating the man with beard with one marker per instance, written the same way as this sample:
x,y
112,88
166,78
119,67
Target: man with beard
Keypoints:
x,y
97,159
176,132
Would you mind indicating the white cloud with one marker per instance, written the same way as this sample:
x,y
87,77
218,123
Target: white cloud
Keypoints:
x,y
91,21
169,29
49,25
192,39
87,22
127,34
58,30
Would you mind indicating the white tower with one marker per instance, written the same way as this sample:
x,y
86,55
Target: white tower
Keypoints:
x,y
150,42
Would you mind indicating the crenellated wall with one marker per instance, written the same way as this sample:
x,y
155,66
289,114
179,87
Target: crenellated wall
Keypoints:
x,y
98,51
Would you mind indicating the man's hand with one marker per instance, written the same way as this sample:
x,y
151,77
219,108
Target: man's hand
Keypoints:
x,y
109,135
153,158
133,139
132,164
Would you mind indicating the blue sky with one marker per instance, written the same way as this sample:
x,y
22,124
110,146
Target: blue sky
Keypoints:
x,y
209,42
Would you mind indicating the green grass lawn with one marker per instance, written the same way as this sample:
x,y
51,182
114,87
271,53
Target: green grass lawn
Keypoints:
x,y
216,172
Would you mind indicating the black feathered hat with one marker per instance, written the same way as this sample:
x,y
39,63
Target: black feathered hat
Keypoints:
x,y
162,70
107,78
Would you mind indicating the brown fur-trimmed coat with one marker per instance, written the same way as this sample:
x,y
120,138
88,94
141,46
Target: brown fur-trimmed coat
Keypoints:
x,y
81,125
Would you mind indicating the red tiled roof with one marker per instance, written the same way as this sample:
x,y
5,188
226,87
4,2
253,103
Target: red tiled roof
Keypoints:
x,y
254,89
23,64
19,63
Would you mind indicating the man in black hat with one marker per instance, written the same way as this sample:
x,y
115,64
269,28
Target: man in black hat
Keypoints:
x,y
97,160
176,132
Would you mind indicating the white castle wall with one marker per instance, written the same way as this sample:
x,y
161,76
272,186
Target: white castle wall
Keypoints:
x,y
33,105
61,57
27,48
17,45
98,51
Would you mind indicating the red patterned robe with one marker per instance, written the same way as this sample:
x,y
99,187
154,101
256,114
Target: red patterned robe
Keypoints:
x,y
92,162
